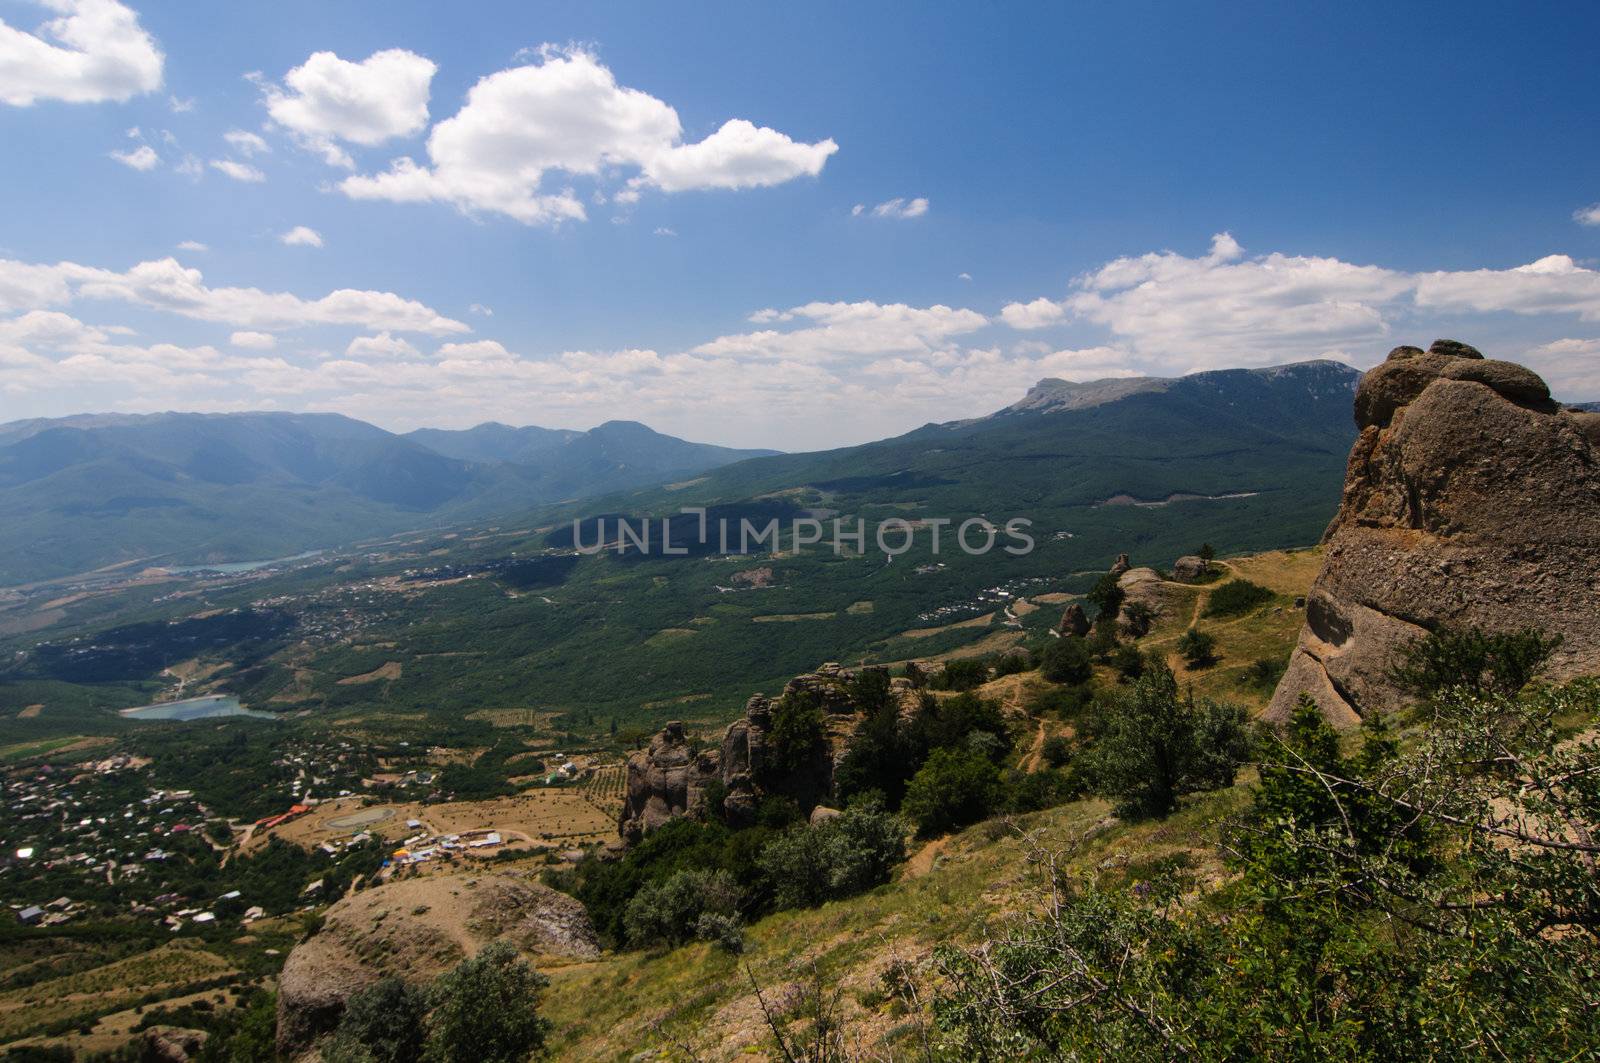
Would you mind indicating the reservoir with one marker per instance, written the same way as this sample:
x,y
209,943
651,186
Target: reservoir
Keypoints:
x,y
195,709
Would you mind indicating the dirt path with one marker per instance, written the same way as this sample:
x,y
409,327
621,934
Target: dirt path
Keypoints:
x,y
922,861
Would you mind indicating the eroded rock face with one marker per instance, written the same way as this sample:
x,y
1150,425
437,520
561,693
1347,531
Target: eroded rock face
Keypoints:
x,y
671,779
1120,565
665,780
1074,621
1470,499
1190,569
416,929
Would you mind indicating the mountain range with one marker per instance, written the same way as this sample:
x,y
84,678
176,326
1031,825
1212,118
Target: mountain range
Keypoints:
x,y
88,491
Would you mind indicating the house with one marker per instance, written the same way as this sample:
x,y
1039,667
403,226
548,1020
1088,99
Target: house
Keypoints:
x,y
30,915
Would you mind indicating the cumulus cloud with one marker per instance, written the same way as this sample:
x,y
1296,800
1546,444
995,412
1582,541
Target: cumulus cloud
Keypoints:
x,y
301,236
254,341
93,51
1037,314
1589,215
142,158
567,115
835,331
326,100
383,345
1553,284
167,285
239,171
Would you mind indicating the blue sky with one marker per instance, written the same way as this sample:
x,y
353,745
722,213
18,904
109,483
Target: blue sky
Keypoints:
x,y
1067,190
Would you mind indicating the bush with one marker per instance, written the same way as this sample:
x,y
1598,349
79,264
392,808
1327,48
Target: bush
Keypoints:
x,y
1128,661
1137,619
1473,661
837,858
1066,702
726,932
1107,596
1198,649
669,912
797,735
1034,791
954,788
1154,746
966,673
1057,751
382,1023
1264,672
1066,660
486,1009
1011,664
1236,597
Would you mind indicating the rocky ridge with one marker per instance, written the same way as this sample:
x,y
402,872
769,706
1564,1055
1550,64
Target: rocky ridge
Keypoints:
x,y
1471,498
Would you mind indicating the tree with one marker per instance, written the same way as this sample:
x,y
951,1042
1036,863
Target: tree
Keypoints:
x,y
1128,661
835,858
797,734
382,1023
954,788
486,1009
1066,660
963,673
1473,661
1107,596
1137,619
1198,649
1207,553
1155,747
669,912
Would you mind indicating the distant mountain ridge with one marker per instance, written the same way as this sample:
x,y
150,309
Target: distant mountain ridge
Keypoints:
x,y
91,490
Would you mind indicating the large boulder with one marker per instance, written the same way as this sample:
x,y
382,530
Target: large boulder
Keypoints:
x,y
665,780
1074,622
1190,569
1470,499
415,929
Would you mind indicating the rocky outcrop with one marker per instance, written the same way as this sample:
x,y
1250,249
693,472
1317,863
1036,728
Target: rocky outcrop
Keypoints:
x,y
1143,585
416,929
1074,622
665,780
1470,499
1120,565
672,778
1190,569
170,1044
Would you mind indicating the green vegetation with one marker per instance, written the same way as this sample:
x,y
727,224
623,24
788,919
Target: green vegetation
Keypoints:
x,y
953,788
486,1009
1474,661
1198,648
1236,597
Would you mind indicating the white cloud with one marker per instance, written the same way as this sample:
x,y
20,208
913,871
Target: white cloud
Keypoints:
x,y
191,167
479,308
239,171
327,99
142,158
1037,314
301,236
1570,366
835,331
254,341
963,276
383,345
567,114
1553,284
897,207
178,106
1589,215
100,53
192,245
664,231
246,143
167,285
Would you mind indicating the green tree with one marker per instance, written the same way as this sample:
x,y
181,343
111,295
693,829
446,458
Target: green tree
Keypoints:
x,y
669,912
797,735
1156,746
486,1009
1473,661
1198,648
1107,596
836,858
1066,660
954,788
383,1023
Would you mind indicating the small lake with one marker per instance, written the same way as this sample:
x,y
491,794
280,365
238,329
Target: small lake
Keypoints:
x,y
205,708
234,567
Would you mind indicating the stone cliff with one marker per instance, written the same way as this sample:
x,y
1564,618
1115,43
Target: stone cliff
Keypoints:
x,y
672,777
1470,499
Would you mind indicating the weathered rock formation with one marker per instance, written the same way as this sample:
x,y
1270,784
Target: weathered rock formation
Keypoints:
x,y
1471,499
171,1044
1190,569
672,778
416,929
1074,622
1144,586
1120,565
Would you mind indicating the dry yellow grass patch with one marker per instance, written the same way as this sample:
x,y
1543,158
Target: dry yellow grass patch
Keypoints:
x,y
387,670
925,632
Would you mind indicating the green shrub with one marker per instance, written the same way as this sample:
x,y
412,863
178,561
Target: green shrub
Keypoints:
x,y
836,858
1236,597
1107,596
954,788
1198,649
383,1023
1067,660
668,912
1473,661
486,1009
963,673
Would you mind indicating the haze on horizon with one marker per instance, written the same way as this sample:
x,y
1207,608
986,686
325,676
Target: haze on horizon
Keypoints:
x,y
767,228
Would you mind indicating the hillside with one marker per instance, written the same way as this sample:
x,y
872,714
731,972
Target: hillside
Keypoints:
x,y
177,489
